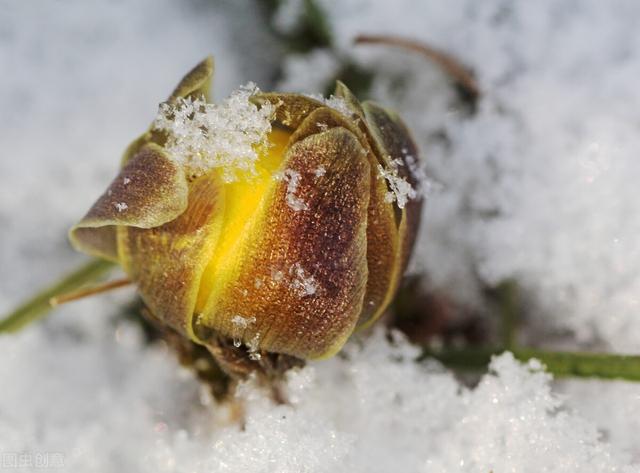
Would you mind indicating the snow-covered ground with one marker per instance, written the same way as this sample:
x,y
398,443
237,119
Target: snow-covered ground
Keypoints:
x,y
540,185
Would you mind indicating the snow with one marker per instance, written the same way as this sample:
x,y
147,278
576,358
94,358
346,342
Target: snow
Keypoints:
x,y
229,135
369,410
292,178
336,103
242,322
303,282
539,185
121,206
319,171
253,346
401,191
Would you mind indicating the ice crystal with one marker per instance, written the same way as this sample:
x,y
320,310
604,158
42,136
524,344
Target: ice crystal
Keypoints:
x,y
336,103
253,346
202,136
242,322
277,275
304,283
292,178
400,190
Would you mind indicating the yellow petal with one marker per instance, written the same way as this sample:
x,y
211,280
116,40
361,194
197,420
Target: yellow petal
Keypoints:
x,y
297,277
242,198
167,262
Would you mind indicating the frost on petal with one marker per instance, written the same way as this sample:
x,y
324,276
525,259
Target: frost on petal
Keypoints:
x,y
253,346
277,275
292,179
400,191
320,171
304,283
240,324
424,185
203,136
337,103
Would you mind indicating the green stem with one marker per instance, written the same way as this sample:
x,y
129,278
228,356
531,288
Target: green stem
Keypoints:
x,y
560,364
36,307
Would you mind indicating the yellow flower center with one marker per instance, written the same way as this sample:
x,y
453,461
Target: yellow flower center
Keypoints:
x,y
241,200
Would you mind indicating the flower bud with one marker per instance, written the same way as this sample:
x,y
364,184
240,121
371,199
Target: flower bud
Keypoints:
x,y
282,222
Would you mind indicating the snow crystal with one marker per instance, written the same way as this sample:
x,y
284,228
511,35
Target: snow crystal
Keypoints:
x,y
297,278
304,283
292,178
242,322
401,191
252,347
425,185
203,136
277,275
121,206
320,171
322,126
336,103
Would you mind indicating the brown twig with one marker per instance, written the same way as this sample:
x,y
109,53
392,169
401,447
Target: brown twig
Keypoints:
x,y
89,291
38,305
451,66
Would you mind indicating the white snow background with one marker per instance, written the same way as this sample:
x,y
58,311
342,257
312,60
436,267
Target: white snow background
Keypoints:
x,y
539,185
